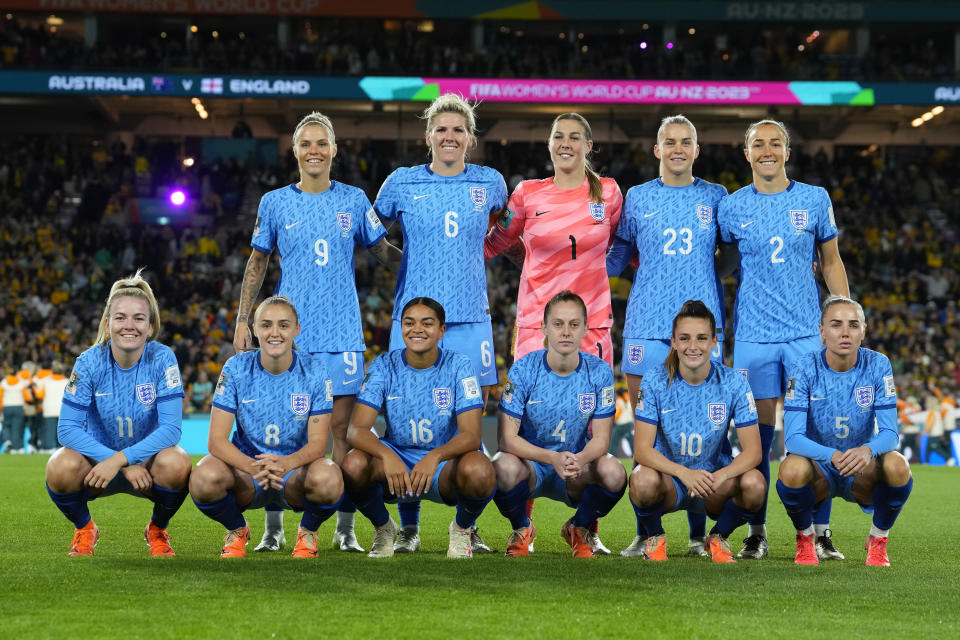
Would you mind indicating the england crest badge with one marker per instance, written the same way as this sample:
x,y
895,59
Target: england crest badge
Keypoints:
x,y
799,219
704,215
598,211
343,221
587,402
300,403
146,393
478,196
864,396
717,412
635,353
442,398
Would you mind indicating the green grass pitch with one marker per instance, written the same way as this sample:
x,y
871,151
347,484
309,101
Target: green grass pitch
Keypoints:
x,y
123,593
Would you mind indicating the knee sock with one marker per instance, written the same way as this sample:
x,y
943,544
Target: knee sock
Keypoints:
x,y
315,514
595,503
469,508
369,502
766,441
698,524
887,502
821,516
73,505
225,511
513,505
641,530
650,518
166,502
409,513
798,503
731,518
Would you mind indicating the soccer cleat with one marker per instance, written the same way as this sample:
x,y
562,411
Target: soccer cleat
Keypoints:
x,y
347,541
719,549
696,548
576,537
754,547
383,538
635,550
530,517
307,544
598,548
235,543
477,543
825,548
408,541
84,540
158,540
877,552
806,553
521,540
459,546
655,548
271,541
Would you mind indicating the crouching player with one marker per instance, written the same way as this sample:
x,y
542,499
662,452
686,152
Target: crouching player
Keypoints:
x,y
551,398
683,411
432,404
281,400
834,397
120,422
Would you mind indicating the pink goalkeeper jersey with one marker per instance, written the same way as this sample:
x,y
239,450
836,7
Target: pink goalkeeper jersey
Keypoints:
x,y
566,237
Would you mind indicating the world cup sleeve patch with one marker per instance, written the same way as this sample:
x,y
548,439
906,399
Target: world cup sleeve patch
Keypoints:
x,y
607,398
172,374
506,218
329,385
471,388
639,403
889,387
751,403
256,226
372,218
508,388
221,385
791,389
72,383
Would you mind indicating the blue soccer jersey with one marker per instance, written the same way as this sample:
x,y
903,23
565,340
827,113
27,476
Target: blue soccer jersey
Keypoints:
x,y
421,406
272,411
692,421
674,231
315,235
121,404
555,411
777,234
840,410
444,221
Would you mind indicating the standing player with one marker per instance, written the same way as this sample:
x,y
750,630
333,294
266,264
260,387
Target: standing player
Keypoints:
x,y
684,409
314,225
670,224
120,422
444,208
567,223
550,399
431,402
841,431
281,401
779,225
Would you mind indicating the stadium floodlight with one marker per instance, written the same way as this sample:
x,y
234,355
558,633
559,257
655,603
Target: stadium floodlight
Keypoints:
x,y
178,197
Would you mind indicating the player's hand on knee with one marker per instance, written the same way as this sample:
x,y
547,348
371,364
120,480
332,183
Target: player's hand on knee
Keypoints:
x,y
138,477
699,482
422,474
104,472
395,472
853,461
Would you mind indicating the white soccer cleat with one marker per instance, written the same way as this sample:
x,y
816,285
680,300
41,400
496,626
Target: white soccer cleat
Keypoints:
x,y
383,538
825,548
271,541
477,543
346,540
596,546
754,547
459,546
696,549
409,539
635,549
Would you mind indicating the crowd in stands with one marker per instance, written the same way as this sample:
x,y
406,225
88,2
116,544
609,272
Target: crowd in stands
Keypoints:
x,y
898,210
357,47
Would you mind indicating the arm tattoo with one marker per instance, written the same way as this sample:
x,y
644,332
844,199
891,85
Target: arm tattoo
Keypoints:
x,y
387,254
252,280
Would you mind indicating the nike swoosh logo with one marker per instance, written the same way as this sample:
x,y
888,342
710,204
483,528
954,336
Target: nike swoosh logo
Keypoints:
x,y
250,400
486,373
647,215
744,225
100,395
350,380
812,398
290,226
394,397
540,213
534,401
667,410
423,196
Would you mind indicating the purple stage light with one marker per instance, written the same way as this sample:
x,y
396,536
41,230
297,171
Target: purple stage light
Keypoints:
x,y
178,198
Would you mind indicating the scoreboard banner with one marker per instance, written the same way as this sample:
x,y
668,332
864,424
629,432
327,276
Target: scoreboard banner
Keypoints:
x,y
383,88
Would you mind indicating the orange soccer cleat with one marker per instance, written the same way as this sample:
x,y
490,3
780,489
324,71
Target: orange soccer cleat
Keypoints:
x,y
579,540
306,546
235,543
158,540
518,544
877,552
719,549
806,550
84,540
